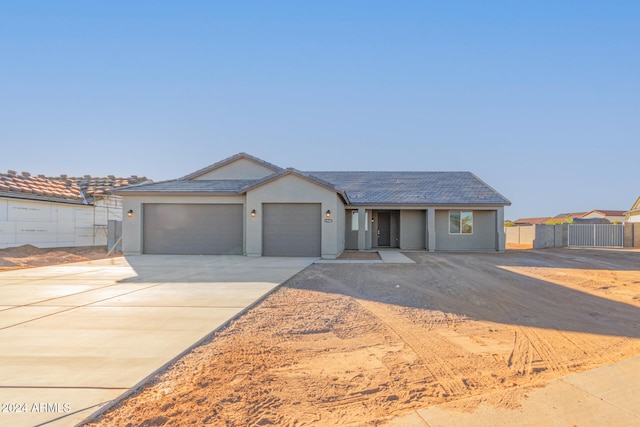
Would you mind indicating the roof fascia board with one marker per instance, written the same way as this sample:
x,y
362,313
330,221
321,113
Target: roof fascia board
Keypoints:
x,y
478,206
492,189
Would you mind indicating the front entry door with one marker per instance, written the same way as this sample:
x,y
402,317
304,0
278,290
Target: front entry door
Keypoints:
x,y
384,229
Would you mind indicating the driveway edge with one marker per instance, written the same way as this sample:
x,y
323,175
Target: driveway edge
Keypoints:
x,y
209,336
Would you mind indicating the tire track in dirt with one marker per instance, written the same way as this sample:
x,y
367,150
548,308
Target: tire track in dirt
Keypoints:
x,y
521,358
412,336
529,342
548,354
595,347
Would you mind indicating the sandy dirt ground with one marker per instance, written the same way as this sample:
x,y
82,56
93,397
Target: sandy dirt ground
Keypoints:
x,y
356,344
27,256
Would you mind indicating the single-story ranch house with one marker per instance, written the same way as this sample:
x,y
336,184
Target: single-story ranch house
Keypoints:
x,y
244,205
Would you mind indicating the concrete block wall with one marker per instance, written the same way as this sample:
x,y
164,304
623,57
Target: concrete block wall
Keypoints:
x,y
545,236
539,236
522,235
632,235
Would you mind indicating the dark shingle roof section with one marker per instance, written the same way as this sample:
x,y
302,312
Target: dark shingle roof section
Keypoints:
x,y
199,186
229,160
376,188
356,188
414,188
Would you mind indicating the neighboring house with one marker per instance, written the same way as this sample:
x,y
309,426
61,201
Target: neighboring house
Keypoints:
x,y
244,205
606,216
561,218
531,221
57,212
633,215
609,215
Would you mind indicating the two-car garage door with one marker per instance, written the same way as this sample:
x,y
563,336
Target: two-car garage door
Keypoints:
x,y
288,229
193,229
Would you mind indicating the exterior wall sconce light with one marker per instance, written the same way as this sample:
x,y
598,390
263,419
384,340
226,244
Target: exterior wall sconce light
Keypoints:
x,y
253,213
328,214
130,213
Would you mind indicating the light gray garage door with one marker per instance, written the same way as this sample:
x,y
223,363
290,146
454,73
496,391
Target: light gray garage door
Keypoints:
x,y
192,229
291,229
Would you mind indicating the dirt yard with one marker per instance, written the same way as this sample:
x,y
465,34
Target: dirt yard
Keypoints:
x,y
27,256
356,344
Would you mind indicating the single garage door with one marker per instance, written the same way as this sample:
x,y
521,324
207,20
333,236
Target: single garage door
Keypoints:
x,y
291,229
192,229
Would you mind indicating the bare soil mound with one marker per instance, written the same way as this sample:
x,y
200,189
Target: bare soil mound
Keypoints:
x,y
22,251
27,256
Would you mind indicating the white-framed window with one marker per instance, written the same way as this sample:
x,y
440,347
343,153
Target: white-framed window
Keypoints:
x,y
354,221
460,222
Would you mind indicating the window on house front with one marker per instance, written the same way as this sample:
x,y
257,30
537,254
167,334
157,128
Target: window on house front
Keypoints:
x,y
354,221
460,222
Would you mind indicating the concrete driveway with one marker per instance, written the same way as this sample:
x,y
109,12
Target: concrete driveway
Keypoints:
x,y
74,337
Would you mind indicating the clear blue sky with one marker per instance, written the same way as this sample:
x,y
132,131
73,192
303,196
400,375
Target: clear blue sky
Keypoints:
x,y
540,99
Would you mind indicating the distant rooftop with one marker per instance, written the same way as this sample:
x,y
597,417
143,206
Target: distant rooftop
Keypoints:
x,y
607,212
532,221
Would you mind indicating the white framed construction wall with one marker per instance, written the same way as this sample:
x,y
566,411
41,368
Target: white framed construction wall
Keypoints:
x,y
47,224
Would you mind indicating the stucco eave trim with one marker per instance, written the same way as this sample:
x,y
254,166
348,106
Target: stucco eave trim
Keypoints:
x,y
424,206
36,198
182,193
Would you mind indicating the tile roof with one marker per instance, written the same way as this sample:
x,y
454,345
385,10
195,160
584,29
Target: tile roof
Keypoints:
x,y
93,187
380,188
234,186
60,189
414,188
26,186
571,215
607,212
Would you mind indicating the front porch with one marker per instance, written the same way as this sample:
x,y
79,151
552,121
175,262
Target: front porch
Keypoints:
x,y
424,229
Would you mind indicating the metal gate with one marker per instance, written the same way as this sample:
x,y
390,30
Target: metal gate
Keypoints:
x,y
596,235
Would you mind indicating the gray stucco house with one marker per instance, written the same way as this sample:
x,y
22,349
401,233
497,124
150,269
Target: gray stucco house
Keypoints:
x,y
246,206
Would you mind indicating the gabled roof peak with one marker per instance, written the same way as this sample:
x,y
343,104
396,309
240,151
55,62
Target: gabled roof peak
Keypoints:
x,y
299,174
229,160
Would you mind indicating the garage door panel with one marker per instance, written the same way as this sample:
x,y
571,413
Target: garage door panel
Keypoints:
x,y
292,229
193,229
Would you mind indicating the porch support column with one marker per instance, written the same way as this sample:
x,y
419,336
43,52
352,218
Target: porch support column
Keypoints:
x,y
362,236
431,229
500,238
